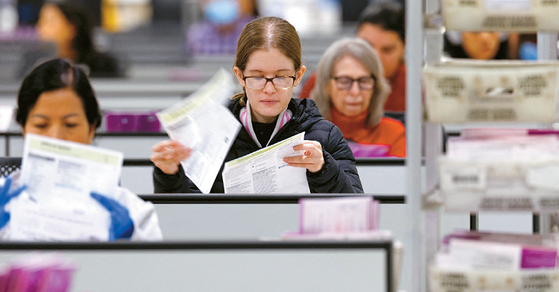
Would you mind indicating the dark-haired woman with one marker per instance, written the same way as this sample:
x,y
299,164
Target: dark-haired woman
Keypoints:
x,y
69,26
56,100
268,66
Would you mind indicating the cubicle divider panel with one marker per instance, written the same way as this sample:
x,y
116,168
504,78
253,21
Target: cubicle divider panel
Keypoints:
x,y
229,216
246,266
134,145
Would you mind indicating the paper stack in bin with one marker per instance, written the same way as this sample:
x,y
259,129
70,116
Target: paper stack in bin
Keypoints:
x,y
483,261
514,172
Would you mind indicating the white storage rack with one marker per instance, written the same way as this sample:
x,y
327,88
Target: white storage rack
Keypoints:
x,y
424,44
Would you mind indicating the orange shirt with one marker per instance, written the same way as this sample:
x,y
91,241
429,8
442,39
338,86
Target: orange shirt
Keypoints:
x,y
396,101
389,132
308,86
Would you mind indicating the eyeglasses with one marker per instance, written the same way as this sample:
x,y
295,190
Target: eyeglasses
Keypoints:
x,y
279,82
345,82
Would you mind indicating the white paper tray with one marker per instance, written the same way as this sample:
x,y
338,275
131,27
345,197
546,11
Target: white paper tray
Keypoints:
x,y
540,280
491,91
499,15
499,185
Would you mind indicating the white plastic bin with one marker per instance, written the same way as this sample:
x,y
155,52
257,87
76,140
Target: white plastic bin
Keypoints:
x,y
491,91
499,15
540,280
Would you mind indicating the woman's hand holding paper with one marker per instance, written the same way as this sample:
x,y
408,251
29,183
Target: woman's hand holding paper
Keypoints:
x,y
167,155
311,159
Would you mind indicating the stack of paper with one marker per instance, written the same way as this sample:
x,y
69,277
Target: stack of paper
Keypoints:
x,y
475,250
500,169
37,272
369,150
477,261
339,218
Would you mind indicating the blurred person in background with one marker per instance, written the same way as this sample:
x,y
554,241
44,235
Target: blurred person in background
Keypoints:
x,y
268,66
477,45
383,26
56,100
350,92
491,45
218,32
69,26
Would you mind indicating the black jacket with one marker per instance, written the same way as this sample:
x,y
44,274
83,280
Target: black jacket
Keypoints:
x,y
338,175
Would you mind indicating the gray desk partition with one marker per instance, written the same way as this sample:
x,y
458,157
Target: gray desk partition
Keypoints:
x,y
383,175
124,94
240,265
133,145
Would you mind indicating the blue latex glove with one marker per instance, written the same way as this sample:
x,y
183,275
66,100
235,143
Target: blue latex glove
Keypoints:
x,y
5,196
121,224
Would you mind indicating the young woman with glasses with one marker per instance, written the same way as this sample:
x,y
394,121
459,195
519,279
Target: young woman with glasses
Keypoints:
x,y
268,66
350,91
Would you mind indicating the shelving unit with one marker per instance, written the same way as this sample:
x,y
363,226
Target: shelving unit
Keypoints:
x,y
424,30
415,260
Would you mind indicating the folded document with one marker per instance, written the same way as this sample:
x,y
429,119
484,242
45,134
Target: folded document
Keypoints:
x,y
60,176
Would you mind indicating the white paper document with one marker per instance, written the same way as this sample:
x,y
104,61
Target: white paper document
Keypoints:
x,y
354,214
60,176
482,255
44,222
264,171
202,123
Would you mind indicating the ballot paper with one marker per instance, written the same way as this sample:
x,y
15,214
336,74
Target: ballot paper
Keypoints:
x,y
511,148
344,218
60,176
203,124
474,254
54,222
264,171
37,272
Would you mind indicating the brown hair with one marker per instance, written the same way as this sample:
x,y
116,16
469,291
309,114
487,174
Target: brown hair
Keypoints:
x,y
262,34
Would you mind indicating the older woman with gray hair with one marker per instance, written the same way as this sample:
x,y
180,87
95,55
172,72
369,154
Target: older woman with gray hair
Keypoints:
x,y
350,91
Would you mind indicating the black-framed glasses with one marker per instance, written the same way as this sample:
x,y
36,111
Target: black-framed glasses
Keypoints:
x,y
279,82
345,82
